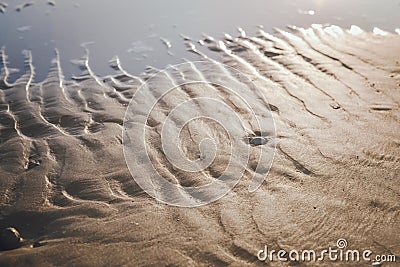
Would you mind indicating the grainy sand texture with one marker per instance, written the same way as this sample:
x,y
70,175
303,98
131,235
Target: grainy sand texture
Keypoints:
x,y
334,96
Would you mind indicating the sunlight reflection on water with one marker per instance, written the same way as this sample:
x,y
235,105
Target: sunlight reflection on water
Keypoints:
x,y
151,32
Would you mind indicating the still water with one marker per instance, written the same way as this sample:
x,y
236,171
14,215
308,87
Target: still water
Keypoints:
x,y
149,33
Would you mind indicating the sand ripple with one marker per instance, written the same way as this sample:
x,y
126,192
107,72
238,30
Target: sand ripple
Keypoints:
x,y
334,96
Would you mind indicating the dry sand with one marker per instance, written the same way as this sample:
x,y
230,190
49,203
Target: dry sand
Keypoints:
x,y
334,97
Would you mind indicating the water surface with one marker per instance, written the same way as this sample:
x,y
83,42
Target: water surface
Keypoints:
x,y
146,33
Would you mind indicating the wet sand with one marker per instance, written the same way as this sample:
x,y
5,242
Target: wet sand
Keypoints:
x,y
334,96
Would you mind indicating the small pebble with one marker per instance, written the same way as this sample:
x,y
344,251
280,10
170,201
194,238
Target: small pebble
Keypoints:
x,y
335,105
10,239
257,141
38,243
376,264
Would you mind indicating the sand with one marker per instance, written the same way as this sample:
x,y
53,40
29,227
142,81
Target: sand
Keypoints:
x,y
334,97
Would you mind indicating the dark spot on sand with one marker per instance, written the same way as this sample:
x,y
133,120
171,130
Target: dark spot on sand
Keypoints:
x,y
257,138
375,204
307,59
270,54
346,66
335,105
238,49
258,141
381,107
32,164
273,108
10,239
38,244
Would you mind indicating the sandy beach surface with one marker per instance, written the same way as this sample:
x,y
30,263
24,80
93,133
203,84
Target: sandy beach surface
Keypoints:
x,y
334,96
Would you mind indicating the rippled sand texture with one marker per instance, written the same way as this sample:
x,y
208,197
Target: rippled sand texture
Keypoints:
x,y
335,100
